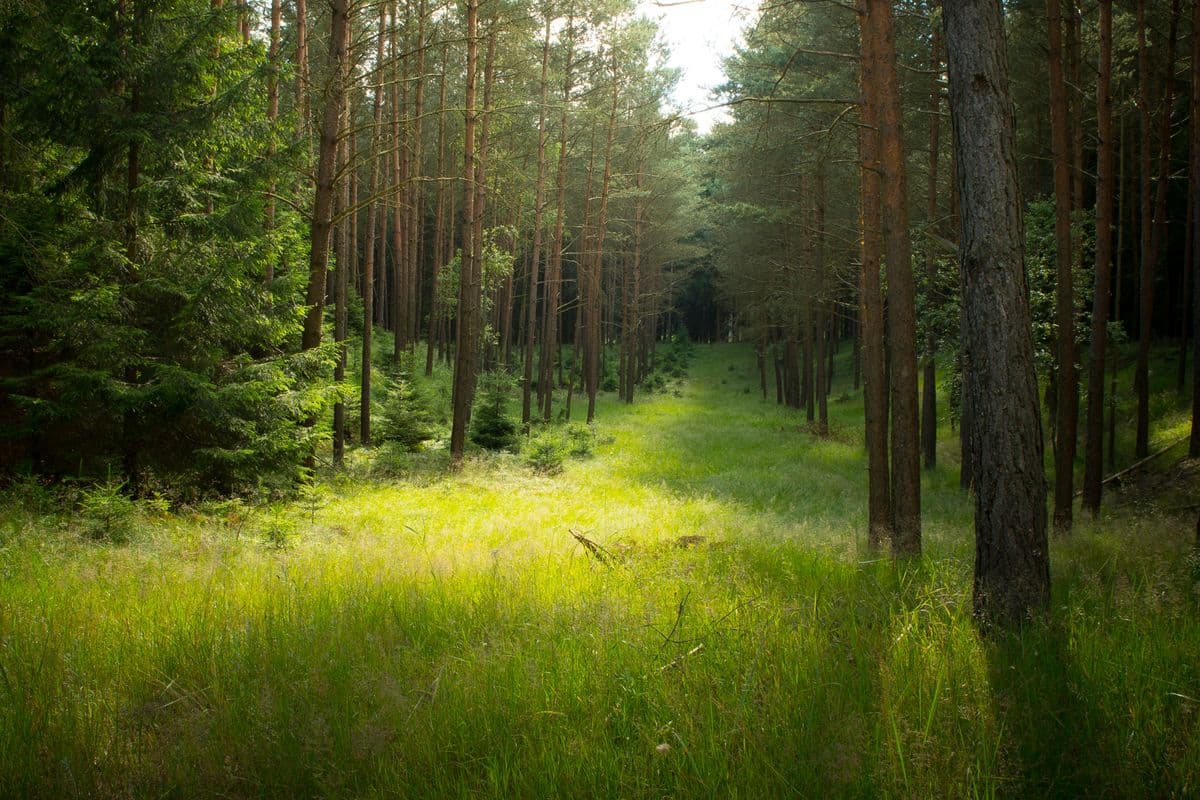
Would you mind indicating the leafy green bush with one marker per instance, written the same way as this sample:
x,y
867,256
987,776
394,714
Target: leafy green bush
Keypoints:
x,y
491,426
407,417
108,513
544,452
581,439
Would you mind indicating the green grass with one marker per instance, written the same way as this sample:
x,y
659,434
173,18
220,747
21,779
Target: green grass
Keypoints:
x,y
438,634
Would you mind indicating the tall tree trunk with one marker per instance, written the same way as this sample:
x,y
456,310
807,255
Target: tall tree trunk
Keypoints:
x,y
536,257
439,231
342,254
1093,466
1067,405
318,262
400,283
595,341
554,275
1153,227
1194,189
1012,571
302,93
272,117
875,402
416,217
368,283
469,290
901,291
822,323
929,381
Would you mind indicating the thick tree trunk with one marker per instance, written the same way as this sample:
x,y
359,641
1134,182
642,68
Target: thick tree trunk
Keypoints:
x,y
1093,466
1012,574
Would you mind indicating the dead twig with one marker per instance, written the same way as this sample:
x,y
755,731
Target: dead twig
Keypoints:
x,y
596,549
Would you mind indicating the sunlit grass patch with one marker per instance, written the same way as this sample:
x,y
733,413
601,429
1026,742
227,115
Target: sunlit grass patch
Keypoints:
x,y
419,631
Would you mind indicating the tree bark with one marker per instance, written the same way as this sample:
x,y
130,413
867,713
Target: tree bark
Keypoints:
x,y
318,262
875,401
1067,403
1153,227
901,291
1012,574
469,287
1093,466
929,381
1194,189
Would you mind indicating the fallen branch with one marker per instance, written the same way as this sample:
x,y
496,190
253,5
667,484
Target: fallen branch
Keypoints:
x,y
1140,462
679,659
595,548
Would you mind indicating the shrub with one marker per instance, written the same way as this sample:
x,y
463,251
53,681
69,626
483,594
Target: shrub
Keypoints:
x,y
580,439
544,452
407,417
108,513
491,427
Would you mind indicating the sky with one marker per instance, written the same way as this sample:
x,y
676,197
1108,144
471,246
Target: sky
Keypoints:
x,y
699,33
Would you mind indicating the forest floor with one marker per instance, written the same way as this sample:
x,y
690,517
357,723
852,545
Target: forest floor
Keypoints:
x,y
413,632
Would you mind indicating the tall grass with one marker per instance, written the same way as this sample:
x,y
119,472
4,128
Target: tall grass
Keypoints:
x,y
442,634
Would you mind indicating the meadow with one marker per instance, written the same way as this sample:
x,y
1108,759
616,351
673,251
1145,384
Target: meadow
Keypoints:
x,y
404,630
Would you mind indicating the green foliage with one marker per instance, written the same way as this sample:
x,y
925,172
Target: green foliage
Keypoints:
x,y
140,325
405,625
545,452
407,416
491,425
107,511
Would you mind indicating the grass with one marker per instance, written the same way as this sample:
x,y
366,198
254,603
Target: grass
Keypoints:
x,y
438,634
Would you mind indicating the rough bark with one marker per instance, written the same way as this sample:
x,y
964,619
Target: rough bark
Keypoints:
x,y
1012,574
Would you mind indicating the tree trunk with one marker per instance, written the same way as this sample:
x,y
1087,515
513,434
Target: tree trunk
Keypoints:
x,y
1012,573
439,232
318,262
1067,405
929,381
554,275
1093,466
469,290
875,402
342,254
1153,228
1194,189
368,283
535,259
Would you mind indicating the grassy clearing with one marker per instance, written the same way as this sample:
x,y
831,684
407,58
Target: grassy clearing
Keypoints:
x,y
442,635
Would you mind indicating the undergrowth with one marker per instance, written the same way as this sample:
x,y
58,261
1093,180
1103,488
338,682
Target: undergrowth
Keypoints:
x,y
415,631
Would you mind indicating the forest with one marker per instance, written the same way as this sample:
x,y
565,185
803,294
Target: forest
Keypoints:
x,y
415,398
